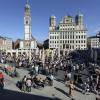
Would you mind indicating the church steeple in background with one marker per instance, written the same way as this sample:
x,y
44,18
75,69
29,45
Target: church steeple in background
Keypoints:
x,y
27,21
29,43
27,8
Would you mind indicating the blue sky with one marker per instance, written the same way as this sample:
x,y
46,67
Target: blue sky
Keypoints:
x,y
12,13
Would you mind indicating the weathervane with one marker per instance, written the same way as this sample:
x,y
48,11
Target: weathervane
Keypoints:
x,y
27,1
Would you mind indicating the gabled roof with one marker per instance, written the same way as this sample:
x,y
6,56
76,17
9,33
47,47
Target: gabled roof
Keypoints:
x,y
2,37
33,38
5,38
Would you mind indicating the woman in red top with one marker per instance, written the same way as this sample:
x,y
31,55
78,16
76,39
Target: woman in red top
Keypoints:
x,y
1,80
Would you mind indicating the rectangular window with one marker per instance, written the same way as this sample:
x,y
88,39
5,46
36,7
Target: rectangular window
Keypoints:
x,y
63,36
50,37
82,36
66,41
70,36
60,36
81,41
73,47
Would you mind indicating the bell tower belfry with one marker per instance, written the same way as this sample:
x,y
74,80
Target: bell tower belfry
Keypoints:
x,y
27,22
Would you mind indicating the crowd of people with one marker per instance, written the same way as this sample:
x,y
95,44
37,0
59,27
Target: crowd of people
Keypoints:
x,y
36,81
77,73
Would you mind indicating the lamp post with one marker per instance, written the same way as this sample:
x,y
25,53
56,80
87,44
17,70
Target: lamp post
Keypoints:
x,y
99,40
52,55
59,48
29,44
43,57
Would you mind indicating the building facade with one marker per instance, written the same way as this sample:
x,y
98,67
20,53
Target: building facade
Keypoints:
x,y
70,34
28,45
29,42
46,44
5,44
94,41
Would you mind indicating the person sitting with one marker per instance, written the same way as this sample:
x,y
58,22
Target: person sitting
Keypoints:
x,y
50,78
38,82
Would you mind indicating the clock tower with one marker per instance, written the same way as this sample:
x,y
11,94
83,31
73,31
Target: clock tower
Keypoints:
x,y
27,22
29,42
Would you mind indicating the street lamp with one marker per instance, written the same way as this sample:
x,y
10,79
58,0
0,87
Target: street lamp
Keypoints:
x,y
43,57
29,44
59,48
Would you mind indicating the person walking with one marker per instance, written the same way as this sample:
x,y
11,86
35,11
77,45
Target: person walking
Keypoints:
x,y
24,83
28,84
50,78
32,72
1,81
85,88
36,69
56,70
71,88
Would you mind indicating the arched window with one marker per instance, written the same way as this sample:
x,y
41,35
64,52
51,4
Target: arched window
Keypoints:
x,y
26,22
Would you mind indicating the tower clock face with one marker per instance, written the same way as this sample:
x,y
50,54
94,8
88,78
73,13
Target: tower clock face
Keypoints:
x,y
27,20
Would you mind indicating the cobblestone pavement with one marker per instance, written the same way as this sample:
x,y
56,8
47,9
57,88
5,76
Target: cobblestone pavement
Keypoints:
x,y
59,90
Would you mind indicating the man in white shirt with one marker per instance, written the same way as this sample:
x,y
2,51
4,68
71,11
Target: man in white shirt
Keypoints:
x,y
36,69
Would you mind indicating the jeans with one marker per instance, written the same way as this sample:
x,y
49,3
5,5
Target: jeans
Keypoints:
x,y
28,88
1,86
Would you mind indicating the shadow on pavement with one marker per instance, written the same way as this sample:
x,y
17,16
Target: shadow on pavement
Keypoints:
x,y
13,95
62,91
78,90
59,80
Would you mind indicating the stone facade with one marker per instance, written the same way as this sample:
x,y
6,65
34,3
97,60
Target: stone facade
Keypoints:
x,y
5,43
69,34
94,41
